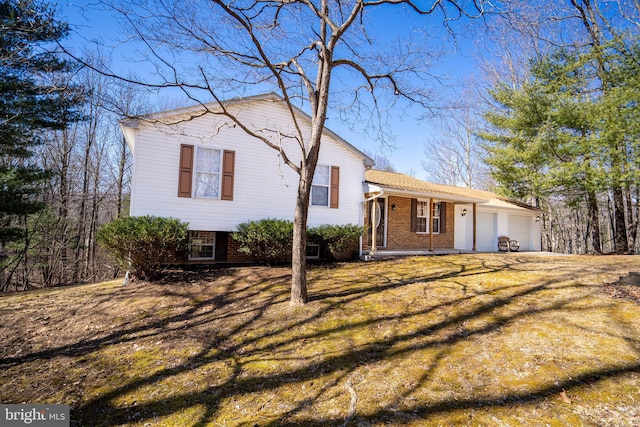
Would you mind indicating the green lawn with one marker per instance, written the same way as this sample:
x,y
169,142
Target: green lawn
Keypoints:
x,y
477,340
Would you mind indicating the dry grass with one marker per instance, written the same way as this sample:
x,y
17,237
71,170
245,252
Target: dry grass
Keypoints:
x,y
478,340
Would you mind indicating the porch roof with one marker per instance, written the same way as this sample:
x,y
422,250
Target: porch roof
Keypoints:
x,y
404,185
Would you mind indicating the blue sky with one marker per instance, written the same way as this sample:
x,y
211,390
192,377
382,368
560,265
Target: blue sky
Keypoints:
x,y
88,23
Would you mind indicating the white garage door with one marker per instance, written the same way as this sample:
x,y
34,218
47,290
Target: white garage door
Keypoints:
x,y
520,230
486,237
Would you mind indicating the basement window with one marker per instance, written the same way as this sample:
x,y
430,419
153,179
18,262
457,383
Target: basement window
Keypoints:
x,y
313,251
202,244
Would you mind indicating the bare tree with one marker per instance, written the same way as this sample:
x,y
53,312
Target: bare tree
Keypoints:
x,y
382,162
122,100
453,155
298,49
87,187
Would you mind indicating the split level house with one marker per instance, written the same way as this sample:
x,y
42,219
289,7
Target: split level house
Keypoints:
x,y
200,167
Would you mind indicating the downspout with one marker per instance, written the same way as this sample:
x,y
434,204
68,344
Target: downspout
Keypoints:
x,y
474,247
372,249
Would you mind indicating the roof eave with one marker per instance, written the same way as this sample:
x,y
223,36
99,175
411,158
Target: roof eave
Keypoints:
x,y
129,128
372,187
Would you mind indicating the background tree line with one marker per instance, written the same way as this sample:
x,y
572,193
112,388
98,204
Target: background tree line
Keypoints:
x,y
554,122
64,167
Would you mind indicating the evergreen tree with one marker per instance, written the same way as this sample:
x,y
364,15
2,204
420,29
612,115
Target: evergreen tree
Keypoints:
x,y
562,134
30,103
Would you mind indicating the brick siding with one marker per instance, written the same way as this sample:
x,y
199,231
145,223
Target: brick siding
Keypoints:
x,y
399,234
233,255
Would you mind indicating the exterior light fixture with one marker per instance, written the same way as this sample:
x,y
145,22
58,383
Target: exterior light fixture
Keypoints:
x,y
464,212
538,218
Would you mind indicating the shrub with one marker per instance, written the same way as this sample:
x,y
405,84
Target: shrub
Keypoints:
x,y
147,242
267,240
335,239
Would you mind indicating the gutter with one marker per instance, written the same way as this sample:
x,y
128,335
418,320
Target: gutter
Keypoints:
x,y
444,196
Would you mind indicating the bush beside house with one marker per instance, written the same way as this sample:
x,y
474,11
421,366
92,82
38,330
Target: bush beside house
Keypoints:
x,y
267,240
337,242
270,240
144,244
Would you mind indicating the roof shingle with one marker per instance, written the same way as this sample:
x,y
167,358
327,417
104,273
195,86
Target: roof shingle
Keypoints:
x,y
399,181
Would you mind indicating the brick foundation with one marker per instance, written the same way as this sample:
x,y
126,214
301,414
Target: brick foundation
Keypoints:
x,y
232,252
227,251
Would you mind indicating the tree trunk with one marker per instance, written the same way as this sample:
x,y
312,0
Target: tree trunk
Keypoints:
x,y
632,222
547,233
91,268
622,246
299,256
589,20
578,239
636,219
612,224
594,221
311,151
299,294
25,272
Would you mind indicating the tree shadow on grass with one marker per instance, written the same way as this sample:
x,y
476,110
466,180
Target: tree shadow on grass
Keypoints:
x,y
294,364
199,312
344,365
424,412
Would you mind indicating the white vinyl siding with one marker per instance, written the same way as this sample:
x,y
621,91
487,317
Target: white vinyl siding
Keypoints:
x,y
264,187
463,226
520,227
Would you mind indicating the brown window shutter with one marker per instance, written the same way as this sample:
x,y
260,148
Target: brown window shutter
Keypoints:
x,y
186,170
335,187
414,215
443,217
228,169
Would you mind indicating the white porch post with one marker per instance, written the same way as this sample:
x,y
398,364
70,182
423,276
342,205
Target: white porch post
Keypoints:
x,y
374,228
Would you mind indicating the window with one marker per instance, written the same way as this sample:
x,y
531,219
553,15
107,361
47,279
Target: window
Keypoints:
x,y
207,171
325,188
202,244
211,180
435,218
423,221
422,215
320,186
313,250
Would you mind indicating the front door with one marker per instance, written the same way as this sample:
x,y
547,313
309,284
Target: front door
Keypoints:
x,y
379,220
